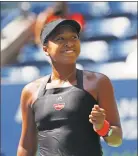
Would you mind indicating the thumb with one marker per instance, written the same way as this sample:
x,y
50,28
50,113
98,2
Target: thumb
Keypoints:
x,y
97,107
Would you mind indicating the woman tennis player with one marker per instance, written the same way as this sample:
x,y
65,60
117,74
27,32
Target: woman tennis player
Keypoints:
x,y
65,113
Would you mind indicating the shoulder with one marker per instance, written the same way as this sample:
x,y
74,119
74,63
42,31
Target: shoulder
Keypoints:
x,y
34,85
95,75
30,89
99,78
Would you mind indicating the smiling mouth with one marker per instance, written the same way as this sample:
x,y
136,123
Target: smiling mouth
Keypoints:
x,y
69,51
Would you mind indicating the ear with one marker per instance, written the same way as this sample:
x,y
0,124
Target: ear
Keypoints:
x,y
45,48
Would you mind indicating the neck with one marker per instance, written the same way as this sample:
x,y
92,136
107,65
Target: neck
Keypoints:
x,y
63,72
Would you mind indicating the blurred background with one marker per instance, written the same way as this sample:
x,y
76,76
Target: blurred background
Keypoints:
x,y
108,45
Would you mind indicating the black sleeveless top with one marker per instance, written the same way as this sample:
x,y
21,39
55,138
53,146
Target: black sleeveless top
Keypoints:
x,y
62,120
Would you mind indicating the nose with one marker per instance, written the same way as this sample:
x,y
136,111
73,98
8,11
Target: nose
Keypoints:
x,y
69,43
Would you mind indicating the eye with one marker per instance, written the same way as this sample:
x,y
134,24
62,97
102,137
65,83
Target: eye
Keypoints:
x,y
75,37
59,39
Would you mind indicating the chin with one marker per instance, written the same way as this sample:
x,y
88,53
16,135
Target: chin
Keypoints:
x,y
69,61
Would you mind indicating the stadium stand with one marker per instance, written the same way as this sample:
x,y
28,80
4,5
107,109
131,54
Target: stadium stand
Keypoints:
x,y
110,35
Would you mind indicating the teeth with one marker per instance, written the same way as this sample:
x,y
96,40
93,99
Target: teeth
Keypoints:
x,y
69,51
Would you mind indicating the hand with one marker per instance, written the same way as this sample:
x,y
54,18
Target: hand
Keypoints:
x,y
97,117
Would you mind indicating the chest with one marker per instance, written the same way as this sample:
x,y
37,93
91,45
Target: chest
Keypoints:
x,y
69,104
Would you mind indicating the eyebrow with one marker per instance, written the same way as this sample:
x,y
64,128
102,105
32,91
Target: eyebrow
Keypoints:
x,y
55,35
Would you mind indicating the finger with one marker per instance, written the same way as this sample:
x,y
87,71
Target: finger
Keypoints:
x,y
92,117
97,116
102,110
99,112
97,107
92,121
93,109
95,113
95,122
97,119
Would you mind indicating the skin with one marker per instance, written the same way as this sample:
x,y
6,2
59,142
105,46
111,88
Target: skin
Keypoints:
x,y
94,83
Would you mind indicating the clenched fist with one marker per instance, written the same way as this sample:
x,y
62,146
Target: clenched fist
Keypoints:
x,y
97,117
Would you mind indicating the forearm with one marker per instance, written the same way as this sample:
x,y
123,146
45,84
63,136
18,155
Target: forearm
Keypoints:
x,y
115,139
24,152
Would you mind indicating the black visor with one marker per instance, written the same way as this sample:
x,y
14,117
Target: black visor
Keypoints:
x,y
50,27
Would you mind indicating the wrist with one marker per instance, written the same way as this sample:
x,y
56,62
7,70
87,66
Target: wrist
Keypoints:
x,y
98,126
104,130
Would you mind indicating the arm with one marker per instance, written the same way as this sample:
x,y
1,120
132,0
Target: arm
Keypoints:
x,y
107,101
28,140
40,22
61,9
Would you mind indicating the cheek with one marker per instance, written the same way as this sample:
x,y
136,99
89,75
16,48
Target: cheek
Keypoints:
x,y
53,48
78,47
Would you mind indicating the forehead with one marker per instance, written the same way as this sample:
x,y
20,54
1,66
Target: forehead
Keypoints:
x,y
64,29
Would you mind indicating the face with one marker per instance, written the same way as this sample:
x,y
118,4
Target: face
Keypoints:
x,y
63,45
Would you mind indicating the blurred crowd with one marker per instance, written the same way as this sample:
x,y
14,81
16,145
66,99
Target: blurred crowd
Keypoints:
x,y
108,37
